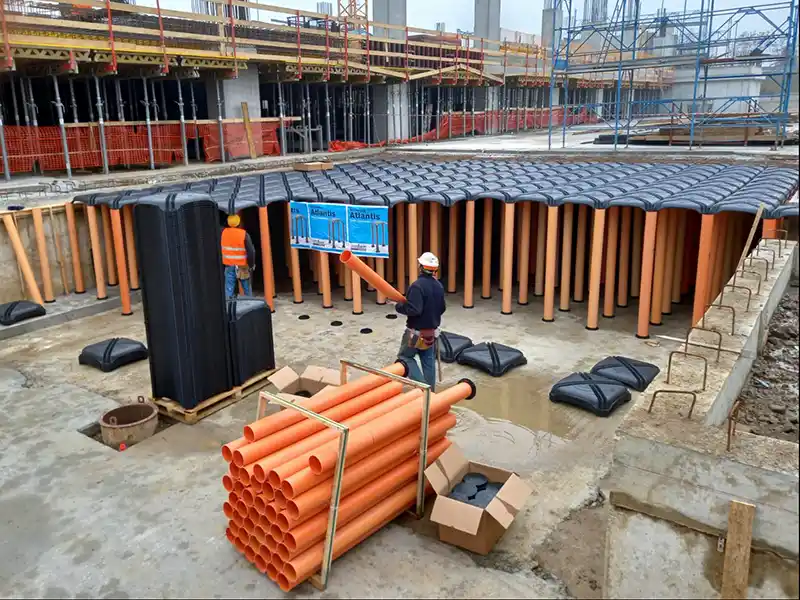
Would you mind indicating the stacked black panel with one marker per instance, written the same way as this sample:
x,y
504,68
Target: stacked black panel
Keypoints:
x,y
250,328
177,240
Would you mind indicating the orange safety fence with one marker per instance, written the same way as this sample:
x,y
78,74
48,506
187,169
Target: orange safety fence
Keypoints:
x,y
126,145
485,122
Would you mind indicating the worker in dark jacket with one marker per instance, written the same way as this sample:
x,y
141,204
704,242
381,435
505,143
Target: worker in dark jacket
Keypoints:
x,y
238,256
423,309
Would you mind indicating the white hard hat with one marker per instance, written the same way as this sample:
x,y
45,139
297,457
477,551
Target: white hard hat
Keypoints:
x,y
428,260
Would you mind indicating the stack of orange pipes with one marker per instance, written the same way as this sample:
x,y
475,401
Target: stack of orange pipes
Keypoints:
x,y
280,475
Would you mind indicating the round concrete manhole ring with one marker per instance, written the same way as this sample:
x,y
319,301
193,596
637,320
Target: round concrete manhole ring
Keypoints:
x,y
129,424
336,323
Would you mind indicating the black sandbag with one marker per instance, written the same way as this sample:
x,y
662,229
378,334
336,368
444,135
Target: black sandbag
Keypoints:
x,y
635,374
112,354
591,392
250,330
495,359
20,310
451,345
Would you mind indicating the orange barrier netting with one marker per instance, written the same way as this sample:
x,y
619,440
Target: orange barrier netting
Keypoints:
x,y
482,123
127,144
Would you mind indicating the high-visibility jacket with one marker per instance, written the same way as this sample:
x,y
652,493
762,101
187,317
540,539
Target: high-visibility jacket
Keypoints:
x,y
234,250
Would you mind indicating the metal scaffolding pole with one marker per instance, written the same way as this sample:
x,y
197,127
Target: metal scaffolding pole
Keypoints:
x,y
163,100
618,96
368,132
146,103
281,116
439,111
89,101
306,93
14,99
73,101
155,102
220,108
327,118
450,113
194,120
3,149
182,120
351,115
105,100
472,101
693,107
101,124
62,129
120,102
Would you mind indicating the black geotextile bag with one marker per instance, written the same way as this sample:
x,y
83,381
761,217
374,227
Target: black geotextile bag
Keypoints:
x,y
19,310
112,354
183,296
250,329
495,359
635,374
451,345
591,392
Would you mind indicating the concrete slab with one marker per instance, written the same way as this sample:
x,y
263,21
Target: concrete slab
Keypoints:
x,y
83,519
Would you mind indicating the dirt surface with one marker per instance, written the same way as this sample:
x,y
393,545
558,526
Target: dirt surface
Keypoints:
x,y
771,394
574,553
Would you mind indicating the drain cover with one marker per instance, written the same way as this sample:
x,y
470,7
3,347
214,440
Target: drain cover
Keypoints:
x,y
366,330
391,316
304,317
336,323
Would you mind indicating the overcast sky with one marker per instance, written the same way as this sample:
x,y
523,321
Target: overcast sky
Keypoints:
x,y
517,15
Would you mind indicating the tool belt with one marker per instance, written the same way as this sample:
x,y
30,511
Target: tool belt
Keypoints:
x,y
421,339
242,272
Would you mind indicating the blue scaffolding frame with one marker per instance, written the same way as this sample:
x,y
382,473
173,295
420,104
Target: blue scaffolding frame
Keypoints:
x,y
703,39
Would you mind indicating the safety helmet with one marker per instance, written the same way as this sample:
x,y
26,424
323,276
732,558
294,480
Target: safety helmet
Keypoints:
x,y
233,220
428,261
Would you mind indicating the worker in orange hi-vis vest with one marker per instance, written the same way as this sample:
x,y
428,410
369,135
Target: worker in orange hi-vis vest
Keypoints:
x,y
238,256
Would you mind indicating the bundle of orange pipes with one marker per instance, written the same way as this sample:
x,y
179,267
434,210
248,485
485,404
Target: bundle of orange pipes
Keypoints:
x,y
281,472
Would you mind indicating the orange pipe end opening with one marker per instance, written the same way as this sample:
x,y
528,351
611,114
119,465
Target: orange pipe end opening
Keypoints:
x,y
228,510
227,483
283,552
274,480
271,512
264,523
248,524
241,508
282,520
250,554
247,496
287,490
230,535
273,573
290,572
276,532
284,583
261,564
289,542
272,544
260,504
280,499
238,488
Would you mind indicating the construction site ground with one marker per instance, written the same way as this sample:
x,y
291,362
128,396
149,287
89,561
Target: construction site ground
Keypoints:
x,y
771,395
81,519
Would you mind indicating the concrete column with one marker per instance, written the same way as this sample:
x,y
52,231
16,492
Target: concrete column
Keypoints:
x,y
391,12
391,100
235,91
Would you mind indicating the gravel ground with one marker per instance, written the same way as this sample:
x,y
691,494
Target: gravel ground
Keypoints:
x,y
771,394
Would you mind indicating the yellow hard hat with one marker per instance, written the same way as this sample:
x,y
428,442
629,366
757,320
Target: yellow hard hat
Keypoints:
x,y
233,220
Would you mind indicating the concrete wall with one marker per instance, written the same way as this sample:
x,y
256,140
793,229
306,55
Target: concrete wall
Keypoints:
x,y
717,90
391,110
235,91
487,22
649,557
391,12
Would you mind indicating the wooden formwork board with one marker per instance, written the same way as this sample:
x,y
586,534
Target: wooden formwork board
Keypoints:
x,y
207,407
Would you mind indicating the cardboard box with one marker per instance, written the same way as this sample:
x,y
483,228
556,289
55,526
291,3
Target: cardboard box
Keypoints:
x,y
313,166
466,526
313,380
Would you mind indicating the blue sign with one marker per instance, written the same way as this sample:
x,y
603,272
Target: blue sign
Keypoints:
x,y
364,230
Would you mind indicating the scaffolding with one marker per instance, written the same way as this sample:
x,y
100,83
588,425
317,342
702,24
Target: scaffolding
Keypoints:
x,y
710,92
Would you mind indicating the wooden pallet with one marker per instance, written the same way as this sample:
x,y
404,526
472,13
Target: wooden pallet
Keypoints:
x,y
207,407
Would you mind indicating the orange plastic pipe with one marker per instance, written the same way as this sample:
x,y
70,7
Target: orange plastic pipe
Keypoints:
x,y
636,251
660,266
769,228
94,239
363,438
313,530
304,565
624,257
595,268
434,227
284,459
111,270
677,274
297,461
502,247
452,249
358,308
611,261
325,280
469,254
566,258
258,449
670,262
541,238
550,264
119,254
380,265
580,252
508,256
361,269
294,261
719,258
524,253
280,420
308,491
413,243
74,248
267,267
229,448
371,264
646,285
44,260
130,246
400,239
348,283
486,283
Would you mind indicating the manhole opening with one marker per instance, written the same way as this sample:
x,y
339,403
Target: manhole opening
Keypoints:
x,y
92,430
336,323
366,330
304,317
391,316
